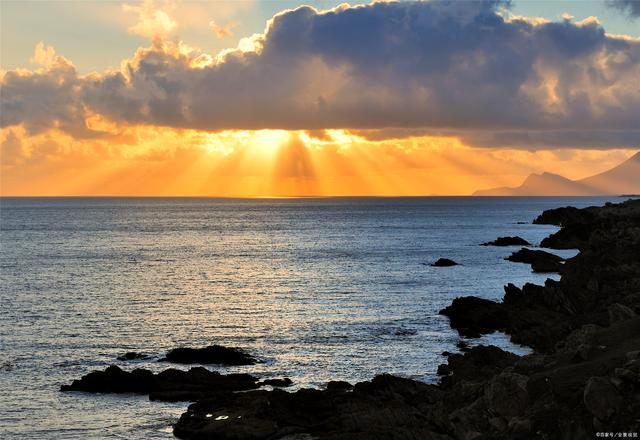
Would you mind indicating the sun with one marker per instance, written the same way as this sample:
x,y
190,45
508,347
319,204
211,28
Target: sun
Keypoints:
x,y
270,140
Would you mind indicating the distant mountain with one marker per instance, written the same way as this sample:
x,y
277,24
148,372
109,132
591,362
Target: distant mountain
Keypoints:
x,y
623,179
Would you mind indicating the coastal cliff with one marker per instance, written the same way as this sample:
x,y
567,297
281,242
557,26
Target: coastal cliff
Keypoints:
x,y
583,377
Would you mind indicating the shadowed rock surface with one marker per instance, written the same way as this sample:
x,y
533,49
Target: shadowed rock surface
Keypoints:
x,y
213,354
472,316
507,241
444,262
540,261
584,377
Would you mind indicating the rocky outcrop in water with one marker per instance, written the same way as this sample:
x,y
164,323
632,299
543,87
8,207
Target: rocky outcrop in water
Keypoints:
x,y
213,354
540,261
444,262
583,378
507,241
472,316
170,384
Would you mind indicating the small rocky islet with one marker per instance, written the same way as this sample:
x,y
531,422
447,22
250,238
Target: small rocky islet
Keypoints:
x,y
444,262
582,378
507,241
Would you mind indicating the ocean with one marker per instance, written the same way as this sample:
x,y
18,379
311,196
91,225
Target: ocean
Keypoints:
x,y
318,288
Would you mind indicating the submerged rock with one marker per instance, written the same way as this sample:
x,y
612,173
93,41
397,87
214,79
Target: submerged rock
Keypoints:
x,y
405,332
131,356
507,241
444,262
213,354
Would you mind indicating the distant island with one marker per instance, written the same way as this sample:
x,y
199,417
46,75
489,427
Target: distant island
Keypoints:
x,y
622,179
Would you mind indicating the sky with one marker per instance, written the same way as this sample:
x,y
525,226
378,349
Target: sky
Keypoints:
x,y
257,98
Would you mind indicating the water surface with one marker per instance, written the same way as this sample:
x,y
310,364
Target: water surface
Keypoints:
x,y
321,289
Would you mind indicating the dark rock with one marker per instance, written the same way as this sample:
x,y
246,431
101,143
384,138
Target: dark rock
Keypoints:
x,y
444,262
601,398
197,381
507,241
520,428
282,383
564,216
540,261
575,237
332,413
131,356
528,256
472,316
486,393
633,355
115,380
477,364
626,375
339,385
546,266
507,394
214,354
619,312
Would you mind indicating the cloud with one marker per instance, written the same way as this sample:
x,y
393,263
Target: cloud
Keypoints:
x,y
527,139
43,56
154,22
223,31
455,67
46,98
631,7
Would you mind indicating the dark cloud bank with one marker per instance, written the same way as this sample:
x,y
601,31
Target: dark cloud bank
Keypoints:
x,y
631,7
457,68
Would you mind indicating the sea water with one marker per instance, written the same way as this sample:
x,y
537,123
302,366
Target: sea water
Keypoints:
x,y
319,289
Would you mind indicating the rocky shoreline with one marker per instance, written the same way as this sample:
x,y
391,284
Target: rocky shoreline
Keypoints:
x,y
583,377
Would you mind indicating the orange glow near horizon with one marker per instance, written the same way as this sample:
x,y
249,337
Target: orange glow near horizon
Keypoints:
x,y
151,161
